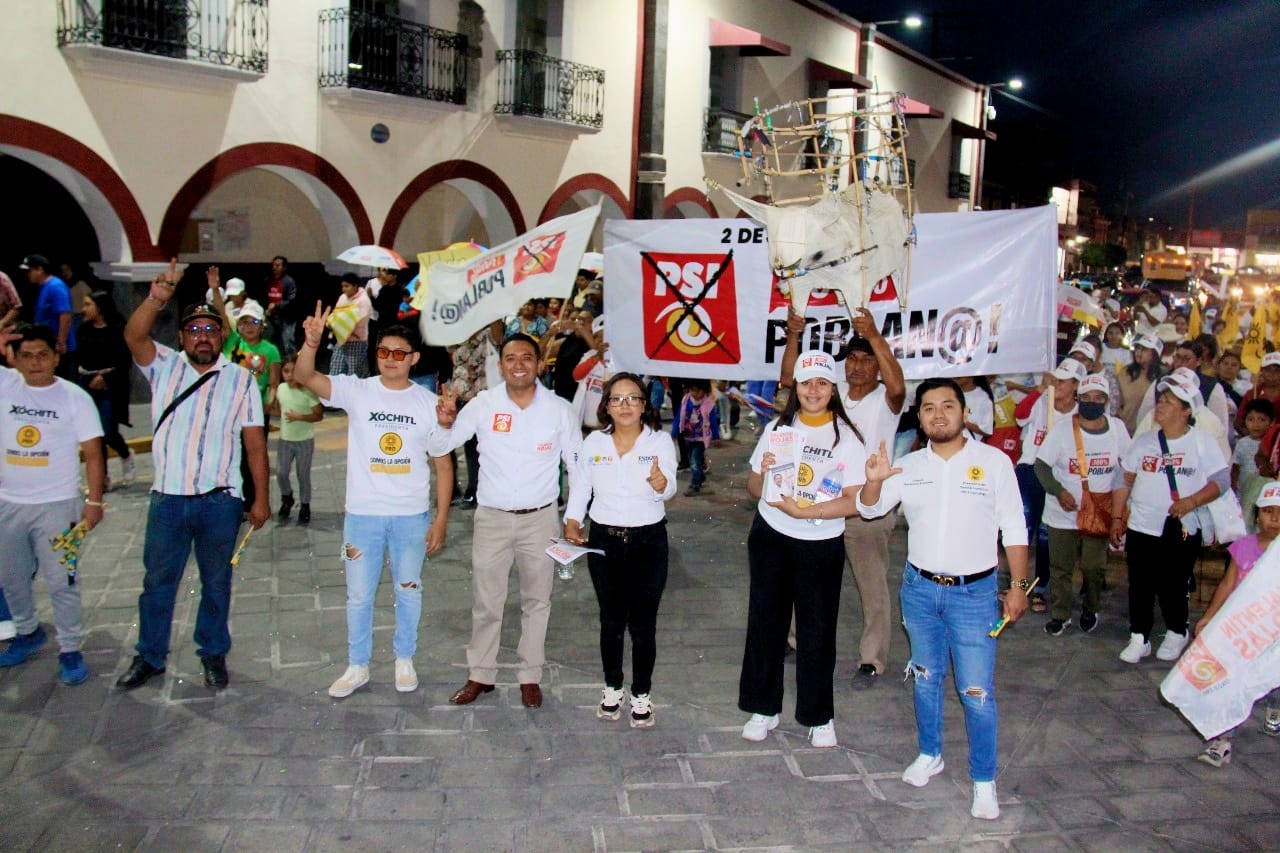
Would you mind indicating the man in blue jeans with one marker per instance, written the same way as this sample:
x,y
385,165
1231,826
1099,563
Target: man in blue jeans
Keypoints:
x,y
201,405
959,495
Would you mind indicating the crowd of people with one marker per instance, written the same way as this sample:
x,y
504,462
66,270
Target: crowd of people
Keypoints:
x,y
1119,448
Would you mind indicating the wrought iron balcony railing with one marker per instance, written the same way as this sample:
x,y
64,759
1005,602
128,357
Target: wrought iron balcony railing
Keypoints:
x,y
958,185
226,33
382,53
720,133
531,84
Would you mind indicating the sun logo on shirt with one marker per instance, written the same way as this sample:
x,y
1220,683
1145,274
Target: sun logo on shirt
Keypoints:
x,y
804,476
976,474
28,436
390,443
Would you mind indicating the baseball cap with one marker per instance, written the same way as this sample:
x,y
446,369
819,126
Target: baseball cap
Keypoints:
x,y
1150,342
1089,350
201,311
1095,382
252,309
1270,494
1178,386
1271,359
34,261
1070,369
815,364
597,325
235,286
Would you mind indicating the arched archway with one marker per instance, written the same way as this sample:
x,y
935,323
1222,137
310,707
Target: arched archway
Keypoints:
x,y
469,193
583,191
117,220
345,220
688,203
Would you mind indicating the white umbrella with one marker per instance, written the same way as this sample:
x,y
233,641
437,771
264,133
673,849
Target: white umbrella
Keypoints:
x,y
373,256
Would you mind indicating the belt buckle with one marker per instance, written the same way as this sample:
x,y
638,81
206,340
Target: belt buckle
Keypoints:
x,y
621,533
945,580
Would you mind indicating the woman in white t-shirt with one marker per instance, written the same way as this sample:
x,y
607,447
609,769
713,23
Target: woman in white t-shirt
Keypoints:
x,y
1163,536
795,551
630,468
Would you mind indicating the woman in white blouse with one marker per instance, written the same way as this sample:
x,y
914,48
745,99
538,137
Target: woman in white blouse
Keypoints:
x,y
630,465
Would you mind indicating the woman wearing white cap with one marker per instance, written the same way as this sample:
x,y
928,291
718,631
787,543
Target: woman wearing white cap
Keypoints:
x,y
1169,472
795,552
1244,555
1137,377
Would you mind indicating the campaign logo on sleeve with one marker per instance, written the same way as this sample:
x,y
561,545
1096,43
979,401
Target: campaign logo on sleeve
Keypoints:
x,y
502,422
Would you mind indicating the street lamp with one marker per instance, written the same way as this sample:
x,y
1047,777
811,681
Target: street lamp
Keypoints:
x,y
988,113
911,22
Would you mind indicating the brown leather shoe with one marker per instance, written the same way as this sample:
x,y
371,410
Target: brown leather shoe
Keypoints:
x,y
469,692
531,695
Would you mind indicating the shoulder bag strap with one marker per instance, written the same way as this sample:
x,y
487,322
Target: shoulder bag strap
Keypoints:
x,y
1081,459
1167,462
177,401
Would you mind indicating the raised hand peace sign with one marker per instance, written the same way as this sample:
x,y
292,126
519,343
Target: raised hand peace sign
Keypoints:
x,y
313,327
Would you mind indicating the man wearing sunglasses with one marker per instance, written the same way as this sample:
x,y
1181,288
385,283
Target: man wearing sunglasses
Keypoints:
x,y
201,407
388,508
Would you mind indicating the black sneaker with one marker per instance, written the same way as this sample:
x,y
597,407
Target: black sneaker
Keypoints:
x,y
1055,627
304,514
1088,621
286,505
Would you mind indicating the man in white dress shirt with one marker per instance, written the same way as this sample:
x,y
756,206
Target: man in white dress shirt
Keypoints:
x,y
523,432
959,496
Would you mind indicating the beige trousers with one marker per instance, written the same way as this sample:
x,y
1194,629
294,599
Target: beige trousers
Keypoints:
x,y
866,545
499,539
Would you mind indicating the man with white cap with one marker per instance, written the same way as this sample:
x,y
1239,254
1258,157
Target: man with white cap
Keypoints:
x,y
1064,380
1168,473
1096,441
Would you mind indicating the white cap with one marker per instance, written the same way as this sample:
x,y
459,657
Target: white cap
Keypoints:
x,y
1271,359
1150,342
1179,387
235,286
597,325
1270,494
251,308
815,364
1167,333
1095,382
1089,350
1070,369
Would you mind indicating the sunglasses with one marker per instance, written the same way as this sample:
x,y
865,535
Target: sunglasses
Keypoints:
x,y
207,329
627,400
393,354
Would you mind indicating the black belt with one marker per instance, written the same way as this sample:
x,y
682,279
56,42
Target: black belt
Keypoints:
x,y
625,533
953,580
525,511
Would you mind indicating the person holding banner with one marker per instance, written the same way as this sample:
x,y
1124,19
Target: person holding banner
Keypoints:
x,y
961,498
1169,472
523,432
628,469
1244,555
795,553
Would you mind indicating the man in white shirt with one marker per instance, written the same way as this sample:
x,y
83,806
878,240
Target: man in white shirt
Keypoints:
x,y
1148,313
523,432
959,497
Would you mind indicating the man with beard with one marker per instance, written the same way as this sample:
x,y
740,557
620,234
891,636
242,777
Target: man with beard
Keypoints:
x,y
959,495
201,406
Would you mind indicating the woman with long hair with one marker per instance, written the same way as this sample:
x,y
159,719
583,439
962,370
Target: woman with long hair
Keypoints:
x,y
1137,376
104,365
630,467
795,551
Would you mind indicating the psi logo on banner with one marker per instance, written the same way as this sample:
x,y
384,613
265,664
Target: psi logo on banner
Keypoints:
x,y
690,307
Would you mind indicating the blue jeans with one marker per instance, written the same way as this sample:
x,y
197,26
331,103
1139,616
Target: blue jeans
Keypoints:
x,y
176,523
1033,498
948,625
365,539
697,462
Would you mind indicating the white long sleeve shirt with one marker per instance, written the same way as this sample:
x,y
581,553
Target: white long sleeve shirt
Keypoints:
x,y
617,485
955,507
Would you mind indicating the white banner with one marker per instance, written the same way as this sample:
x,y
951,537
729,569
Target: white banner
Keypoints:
x,y
1235,660
982,298
464,298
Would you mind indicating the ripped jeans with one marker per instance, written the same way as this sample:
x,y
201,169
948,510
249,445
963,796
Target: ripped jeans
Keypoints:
x,y
365,539
948,625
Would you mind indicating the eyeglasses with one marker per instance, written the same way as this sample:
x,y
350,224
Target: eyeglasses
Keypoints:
x,y
393,354
627,400
207,329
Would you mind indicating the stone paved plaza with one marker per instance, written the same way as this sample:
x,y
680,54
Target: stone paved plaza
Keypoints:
x,y
1089,759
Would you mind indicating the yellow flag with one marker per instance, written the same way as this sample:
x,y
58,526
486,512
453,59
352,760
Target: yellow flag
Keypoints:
x,y
1230,334
343,322
1251,352
1195,321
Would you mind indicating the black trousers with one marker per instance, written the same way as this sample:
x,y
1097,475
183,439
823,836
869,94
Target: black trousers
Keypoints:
x,y
786,573
629,579
1159,568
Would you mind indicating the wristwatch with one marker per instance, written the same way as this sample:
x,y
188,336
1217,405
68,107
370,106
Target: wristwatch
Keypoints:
x,y
1024,585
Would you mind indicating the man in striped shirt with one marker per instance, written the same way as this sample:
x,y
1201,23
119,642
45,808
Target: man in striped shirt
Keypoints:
x,y
197,498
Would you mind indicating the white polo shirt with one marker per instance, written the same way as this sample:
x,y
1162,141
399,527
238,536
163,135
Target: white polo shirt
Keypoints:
x,y
874,419
520,449
617,485
955,507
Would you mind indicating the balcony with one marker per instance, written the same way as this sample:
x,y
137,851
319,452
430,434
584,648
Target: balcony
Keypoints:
x,y
229,36
382,53
530,84
958,185
720,131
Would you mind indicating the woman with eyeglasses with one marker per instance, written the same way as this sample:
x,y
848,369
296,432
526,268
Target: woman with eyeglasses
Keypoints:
x,y
630,464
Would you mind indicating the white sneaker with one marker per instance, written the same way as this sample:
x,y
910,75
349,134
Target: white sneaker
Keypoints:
x,y
611,700
641,711
8,630
823,736
406,676
758,727
352,680
985,806
924,768
1171,648
127,472
1137,649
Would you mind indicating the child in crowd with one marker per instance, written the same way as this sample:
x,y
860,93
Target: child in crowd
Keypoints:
x,y
695,425
300,411
1258,416
1244,555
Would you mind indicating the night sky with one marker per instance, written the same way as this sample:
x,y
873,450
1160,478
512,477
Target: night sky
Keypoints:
x,y
1146,97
